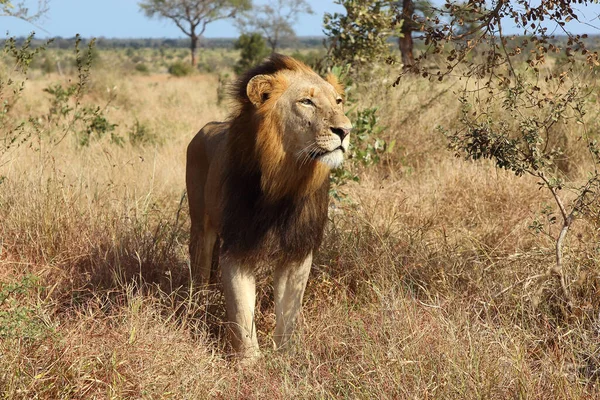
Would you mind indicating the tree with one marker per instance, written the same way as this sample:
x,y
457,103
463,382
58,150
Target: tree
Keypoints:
x,y
253,50
414,16
516,110
405,40
359,36
19,10
192,16
274,20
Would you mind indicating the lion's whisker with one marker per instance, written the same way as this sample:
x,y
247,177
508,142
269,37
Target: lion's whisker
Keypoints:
x,y
307,148
304,155
307,155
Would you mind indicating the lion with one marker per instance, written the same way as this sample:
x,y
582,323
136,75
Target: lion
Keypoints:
x,y
258,189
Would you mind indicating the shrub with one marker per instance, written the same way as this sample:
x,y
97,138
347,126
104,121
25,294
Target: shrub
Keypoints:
x,y
18,319
360,36
96,127
48,65
224,81
209,66
14,131
93,57
253,50
366,146
85,122
142,68
313,58
140,134
180,68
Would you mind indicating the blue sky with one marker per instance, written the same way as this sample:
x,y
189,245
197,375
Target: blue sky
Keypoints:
x,y
122,19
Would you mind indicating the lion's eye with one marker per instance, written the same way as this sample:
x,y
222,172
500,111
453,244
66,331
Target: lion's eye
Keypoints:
x,y
307,102
339,101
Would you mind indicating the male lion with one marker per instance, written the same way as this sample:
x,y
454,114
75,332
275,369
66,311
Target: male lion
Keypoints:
x,y
260,183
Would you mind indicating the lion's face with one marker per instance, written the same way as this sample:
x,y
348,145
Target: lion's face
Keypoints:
x,y
316,127
310,110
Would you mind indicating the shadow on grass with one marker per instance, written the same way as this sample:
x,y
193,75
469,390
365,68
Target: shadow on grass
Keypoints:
x,y
149,262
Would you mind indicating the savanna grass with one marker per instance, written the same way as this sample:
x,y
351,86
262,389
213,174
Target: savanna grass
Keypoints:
x,y
425,286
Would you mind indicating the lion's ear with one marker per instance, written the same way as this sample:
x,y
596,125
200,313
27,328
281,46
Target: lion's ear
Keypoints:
x,y
333,81
259,89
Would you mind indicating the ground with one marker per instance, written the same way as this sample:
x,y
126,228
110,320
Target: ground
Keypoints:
x,y
425,286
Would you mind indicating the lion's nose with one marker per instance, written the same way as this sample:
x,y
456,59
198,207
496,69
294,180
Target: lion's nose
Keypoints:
x,y
341,132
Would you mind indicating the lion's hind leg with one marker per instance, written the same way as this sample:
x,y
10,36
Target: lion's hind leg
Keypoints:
x,y
289,284
206,257
202,235
202,244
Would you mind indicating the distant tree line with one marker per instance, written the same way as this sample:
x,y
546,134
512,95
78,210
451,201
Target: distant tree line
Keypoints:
x,y
307,42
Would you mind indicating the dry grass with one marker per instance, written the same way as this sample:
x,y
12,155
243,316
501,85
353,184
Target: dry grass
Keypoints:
x,y
420,290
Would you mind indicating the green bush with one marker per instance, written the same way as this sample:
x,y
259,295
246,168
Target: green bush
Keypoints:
x,y
19,319
142,68
367,144
88,123
253,50
96,127
48,65
14,130
208,66
180,68
313,58
141,134
360,36
93,57
224,81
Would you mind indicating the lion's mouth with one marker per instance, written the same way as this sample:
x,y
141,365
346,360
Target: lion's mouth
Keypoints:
x,y
314,154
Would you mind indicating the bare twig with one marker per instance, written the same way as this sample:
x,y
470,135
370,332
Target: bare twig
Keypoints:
x,y
557,269
524,280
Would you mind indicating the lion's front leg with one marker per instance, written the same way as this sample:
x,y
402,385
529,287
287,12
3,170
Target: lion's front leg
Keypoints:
x,y
290,282
240,297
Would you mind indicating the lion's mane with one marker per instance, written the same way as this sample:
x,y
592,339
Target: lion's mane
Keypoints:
x,y
272,207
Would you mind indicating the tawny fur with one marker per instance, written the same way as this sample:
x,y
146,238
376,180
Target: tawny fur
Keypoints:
x,y
258,188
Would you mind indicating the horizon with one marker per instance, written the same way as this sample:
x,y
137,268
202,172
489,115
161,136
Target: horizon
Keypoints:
x,y
21,37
